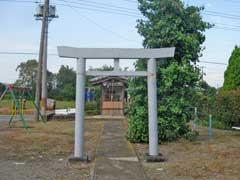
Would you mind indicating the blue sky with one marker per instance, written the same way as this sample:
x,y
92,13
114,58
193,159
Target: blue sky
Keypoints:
x,y
81,27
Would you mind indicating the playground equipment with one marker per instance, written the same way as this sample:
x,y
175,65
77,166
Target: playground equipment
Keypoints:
x,y
14,110
19,97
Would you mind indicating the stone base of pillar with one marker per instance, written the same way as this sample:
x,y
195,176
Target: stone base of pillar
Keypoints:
x,y
158,158
85,159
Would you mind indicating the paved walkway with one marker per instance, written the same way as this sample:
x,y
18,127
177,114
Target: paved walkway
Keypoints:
x,y
5,118
116,159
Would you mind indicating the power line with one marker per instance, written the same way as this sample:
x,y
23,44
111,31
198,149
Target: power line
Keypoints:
x,y
131,15
92,21
20,1
223,13
228,15
121,11
23,53
212,62
106,10
52,54
84,6
228,25
102,7
98,25
132,1
101,4
134,12
226,28
128,10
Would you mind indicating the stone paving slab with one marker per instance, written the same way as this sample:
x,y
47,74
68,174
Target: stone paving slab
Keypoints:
x,y
116,159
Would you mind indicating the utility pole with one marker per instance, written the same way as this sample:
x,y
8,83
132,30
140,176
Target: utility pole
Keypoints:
x,y
45,13
44,72
40,59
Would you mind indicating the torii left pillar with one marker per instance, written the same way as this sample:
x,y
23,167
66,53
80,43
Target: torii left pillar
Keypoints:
x,y
80,112
153,155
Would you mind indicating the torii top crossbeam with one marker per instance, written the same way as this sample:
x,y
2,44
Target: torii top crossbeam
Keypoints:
x,y
114,53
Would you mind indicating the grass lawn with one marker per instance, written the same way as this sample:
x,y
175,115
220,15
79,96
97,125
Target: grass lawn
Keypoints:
x,y
215,123
5,105
91,108
59,104
65,104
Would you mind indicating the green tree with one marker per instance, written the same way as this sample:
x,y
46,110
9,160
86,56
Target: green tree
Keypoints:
x,y
2,87
27,75
51,84
204,99
168,23
103,68
66,83
232,74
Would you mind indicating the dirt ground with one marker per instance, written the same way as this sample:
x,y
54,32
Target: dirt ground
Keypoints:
x,y
213,159
43,152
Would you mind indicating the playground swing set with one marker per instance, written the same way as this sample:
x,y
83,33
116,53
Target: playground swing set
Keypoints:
x,y
19,98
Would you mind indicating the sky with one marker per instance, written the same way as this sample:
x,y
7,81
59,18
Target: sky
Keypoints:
x,y
82,23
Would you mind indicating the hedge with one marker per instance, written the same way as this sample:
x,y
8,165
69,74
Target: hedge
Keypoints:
x,y
227,108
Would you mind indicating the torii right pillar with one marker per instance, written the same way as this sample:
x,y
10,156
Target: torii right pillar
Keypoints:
x,y
154,155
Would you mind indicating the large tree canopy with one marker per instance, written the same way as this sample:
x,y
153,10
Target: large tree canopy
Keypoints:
x,y
168,23
66,83
2,88
232,74
27,75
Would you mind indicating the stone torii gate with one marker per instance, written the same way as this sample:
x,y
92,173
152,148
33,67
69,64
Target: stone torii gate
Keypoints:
x,y
82,54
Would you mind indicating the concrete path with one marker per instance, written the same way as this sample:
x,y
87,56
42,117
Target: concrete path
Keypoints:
x,y
5,118
116,159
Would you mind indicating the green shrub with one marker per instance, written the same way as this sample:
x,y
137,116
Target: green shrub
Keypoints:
x,y
227,108
7,96
191,135
216,124
92,108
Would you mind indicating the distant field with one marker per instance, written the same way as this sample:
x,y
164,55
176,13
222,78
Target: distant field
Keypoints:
x,y
59,104
91,108
65,104
8,103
